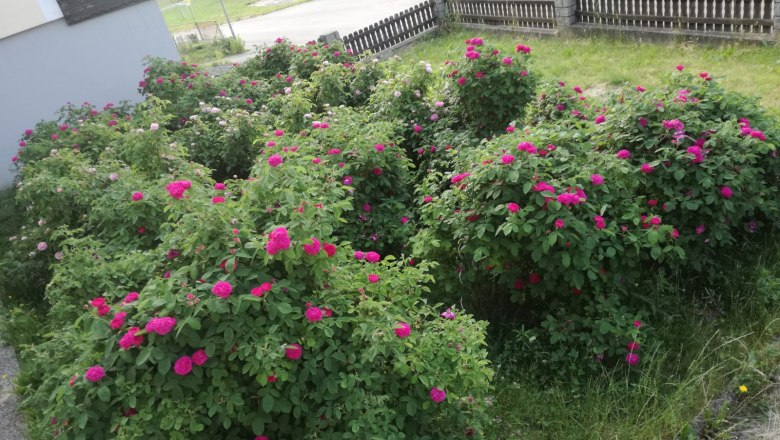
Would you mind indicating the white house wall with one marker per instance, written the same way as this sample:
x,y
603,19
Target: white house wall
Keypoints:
x,y
98,60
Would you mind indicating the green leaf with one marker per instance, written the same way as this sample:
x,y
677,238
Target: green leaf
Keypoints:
x,y
258,425
268,403
229,336
143,356
652,237
679,174
566,260
284,308
104,394
164,365
411,407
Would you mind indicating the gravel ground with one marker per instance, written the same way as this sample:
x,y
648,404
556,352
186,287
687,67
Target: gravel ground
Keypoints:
x,y
11,424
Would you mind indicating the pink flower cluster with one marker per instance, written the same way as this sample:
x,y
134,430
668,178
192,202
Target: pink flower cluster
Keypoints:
x,y
261,289
313,248
674,124
575,198
527,147
176,189
459,177
130,339
696,151
99,303
161,326
183,365
278,240
600,222
118,321
542,186
747,130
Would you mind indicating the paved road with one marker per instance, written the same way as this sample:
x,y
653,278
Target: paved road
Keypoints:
x,y
307,21
11,426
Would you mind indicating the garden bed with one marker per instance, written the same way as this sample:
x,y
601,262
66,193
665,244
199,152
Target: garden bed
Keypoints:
x,y
321,245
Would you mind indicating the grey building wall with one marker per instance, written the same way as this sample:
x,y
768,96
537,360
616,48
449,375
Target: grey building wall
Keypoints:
x,y
99,61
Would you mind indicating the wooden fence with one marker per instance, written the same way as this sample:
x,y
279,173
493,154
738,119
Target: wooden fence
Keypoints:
x,y
731,16
394,30
537,14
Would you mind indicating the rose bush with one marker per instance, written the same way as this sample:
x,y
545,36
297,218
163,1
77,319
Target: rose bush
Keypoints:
x,y
707,160
490,89
295,342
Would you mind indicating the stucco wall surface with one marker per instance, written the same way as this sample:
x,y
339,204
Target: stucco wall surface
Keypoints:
x,y
97,61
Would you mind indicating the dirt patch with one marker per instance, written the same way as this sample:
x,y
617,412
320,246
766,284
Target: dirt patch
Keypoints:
x,y
766,426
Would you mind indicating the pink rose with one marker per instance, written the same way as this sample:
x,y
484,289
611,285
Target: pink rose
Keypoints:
x,y
199,357
183,366
95,373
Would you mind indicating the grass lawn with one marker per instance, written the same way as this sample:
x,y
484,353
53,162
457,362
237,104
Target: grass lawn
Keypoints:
x,y
604,62
710,342
180,18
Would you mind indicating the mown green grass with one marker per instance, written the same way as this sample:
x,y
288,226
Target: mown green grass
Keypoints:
x,y
182,17
604,62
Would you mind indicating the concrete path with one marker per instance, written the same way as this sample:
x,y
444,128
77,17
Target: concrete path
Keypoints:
x,y
307,21
11,424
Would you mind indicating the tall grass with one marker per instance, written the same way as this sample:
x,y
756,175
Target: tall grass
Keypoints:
x,y
706,348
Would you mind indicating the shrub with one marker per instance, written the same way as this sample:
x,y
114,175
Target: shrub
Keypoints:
x,y
223,140
413,99
229,365
705,161
490,90
367,163
557,103
273,60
